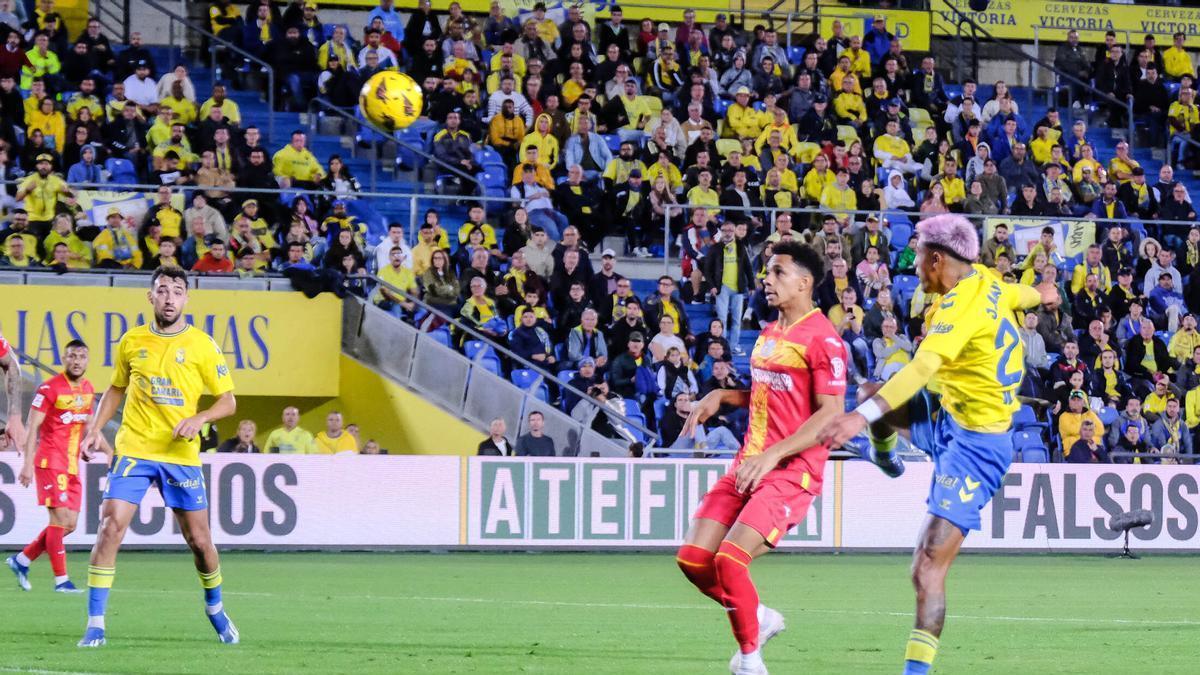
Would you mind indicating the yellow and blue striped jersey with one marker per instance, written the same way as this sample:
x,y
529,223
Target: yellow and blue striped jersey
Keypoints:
x,y
973,328
164,377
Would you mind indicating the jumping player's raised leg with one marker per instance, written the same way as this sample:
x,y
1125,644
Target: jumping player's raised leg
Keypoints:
x,y
115,517
883,434
936,550
198,535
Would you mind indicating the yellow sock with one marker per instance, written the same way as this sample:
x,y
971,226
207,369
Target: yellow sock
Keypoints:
x,y
101,577
884,446
210,579
921,650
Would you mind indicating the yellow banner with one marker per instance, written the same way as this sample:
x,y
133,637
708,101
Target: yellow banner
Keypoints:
x,y
1018,19
277,344
1072,237
911,27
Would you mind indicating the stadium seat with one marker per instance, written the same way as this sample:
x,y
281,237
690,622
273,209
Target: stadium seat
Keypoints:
x,y
900,235
1026,418
655,103
919,117
634,413
525,379
441,335
121,171
613,142
474,348
487,155
796,55
1107,415
847,133
1033,455
906,283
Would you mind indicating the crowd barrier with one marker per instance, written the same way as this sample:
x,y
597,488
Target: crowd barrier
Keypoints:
x,y
413,502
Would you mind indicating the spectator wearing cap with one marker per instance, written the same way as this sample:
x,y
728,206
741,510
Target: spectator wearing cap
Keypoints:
x,y
141,88
116,247
878,40
623,373
818,125
1166,304
1070,421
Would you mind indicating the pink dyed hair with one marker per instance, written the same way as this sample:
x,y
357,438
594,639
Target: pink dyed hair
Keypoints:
x,y
951,232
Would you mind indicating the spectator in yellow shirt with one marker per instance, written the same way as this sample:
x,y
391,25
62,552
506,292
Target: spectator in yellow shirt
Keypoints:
x,y
42,192
839,195
396,275
335,438
51,123
184,109
296,165
817,179
542,138
844,69
954,191
1183,117
778,124
1176,61
1072,419
848,105
741,119
1120,168
233,114
860,59
115,247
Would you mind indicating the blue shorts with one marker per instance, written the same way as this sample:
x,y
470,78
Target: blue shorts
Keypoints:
x,y
181,486
969,466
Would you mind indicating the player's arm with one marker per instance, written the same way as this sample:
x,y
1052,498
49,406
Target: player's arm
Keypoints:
x,y
12,389
710,404
752,469
34,424
223,407
903,386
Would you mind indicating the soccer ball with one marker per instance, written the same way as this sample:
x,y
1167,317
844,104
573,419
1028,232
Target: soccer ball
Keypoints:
x,y
390,100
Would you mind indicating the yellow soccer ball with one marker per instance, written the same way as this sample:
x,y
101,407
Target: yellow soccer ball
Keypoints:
x,y
390,100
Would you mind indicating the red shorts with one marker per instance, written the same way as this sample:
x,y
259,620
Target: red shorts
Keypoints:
x,y
778,504
57,488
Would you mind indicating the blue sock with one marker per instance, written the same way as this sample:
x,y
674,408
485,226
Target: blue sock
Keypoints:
x,y
213,607
97,601
916,667
100,581
212,596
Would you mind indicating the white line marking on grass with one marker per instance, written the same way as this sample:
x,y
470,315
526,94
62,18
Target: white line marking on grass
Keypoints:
x,y
36,671
630,605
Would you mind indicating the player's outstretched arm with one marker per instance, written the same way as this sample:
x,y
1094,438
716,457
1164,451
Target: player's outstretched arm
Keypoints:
x,y
903,386
753,468
710,404
13,429
34,424
109,402
223,407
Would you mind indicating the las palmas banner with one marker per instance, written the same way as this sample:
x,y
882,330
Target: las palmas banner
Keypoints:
x,y
448,502
1071,237
276,343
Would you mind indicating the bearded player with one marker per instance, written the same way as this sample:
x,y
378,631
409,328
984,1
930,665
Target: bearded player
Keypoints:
x,y
798,369
973,351
61,407
161,369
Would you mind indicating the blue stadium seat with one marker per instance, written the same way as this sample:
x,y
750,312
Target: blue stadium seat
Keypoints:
x,y
441,335
613,141
473,348
796,55
121,171
906,284
525,379
1107,415
487,155
1026,418
634,413
1033,455
900,234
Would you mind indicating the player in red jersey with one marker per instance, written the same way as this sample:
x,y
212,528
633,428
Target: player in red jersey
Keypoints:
x,y
61,407
14,431
798,373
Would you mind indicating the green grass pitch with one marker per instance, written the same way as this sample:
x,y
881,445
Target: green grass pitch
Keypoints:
x,y
596,613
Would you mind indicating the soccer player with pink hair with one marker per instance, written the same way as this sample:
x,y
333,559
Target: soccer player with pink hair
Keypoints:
x,y
973,350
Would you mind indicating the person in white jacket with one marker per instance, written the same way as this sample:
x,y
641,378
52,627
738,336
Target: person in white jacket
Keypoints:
x,y
895,193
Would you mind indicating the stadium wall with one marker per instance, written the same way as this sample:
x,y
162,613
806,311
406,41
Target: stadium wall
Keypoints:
x,y
446,502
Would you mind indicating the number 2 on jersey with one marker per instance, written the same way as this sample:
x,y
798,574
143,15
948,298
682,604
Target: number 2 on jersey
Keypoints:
x,y
1007,340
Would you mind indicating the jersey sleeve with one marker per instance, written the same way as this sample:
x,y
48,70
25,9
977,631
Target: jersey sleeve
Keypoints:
x,y
952,327
827,361
215,371
1024,297
120,373
43,398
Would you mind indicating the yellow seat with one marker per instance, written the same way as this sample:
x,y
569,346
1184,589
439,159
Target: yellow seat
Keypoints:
x,y
806,152
727,145
655,104
919,117
847,133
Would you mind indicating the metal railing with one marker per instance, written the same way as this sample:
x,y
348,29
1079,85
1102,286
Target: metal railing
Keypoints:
x,y
113,16
960,19
212,53
544,375
346,114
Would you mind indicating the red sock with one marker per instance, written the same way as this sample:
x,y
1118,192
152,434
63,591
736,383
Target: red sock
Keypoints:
x,y
56,549
697,565
741,598
36,547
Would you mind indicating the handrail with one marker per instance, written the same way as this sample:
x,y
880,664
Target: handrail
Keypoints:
x,y
345,114
977,30
192,26
530,365
102,10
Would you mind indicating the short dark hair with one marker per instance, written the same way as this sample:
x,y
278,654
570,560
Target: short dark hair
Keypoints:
x,y
171,272
75,344
803,256
538,413
393,225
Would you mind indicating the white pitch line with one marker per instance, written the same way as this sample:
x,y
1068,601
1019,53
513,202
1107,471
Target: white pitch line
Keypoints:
x,y
624,605
36,671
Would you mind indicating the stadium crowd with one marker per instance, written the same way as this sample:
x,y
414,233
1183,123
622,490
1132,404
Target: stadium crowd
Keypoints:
x,y
615,128
290,438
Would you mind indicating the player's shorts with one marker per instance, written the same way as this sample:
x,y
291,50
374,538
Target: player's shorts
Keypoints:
x,y
969,466
182,486
778,504
58,489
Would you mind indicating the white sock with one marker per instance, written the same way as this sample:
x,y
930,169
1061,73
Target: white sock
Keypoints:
x,y
754,658
761,611
214,609
22,559
60,579
96,622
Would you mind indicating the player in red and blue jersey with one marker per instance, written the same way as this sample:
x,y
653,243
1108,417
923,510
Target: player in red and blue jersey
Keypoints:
x,y
798,373
61,407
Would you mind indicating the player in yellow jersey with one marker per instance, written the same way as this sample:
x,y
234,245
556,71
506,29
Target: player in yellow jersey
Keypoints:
x,y
973,349
161,369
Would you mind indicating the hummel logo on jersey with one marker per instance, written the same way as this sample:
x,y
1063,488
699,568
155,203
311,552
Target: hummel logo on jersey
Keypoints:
x,y
971,484
965,496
